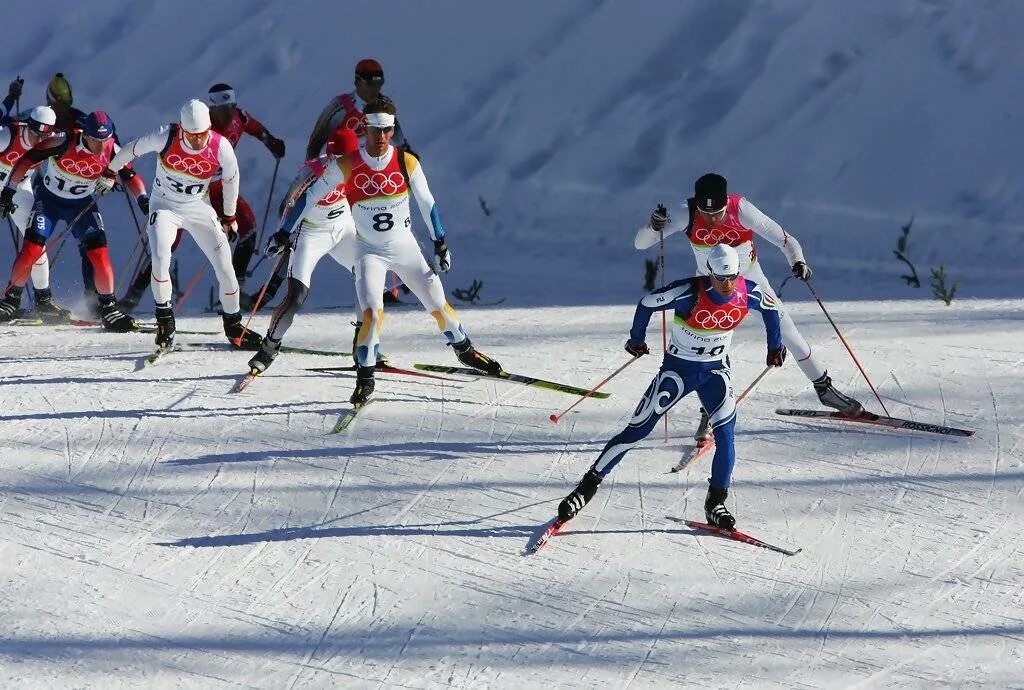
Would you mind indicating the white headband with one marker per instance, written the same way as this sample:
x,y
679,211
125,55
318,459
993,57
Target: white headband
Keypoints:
x,y
379,120
215,98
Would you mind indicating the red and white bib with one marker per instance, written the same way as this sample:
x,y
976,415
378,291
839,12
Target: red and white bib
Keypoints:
x,y
706,334
183,174
730,231
73,175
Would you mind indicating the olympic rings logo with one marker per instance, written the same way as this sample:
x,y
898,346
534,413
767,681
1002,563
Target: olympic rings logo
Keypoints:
x,y
720,319
11,157
333,197
196,167
81,168
355,122
378,183
716,235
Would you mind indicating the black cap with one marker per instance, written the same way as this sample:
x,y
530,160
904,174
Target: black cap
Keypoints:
x,y
710,193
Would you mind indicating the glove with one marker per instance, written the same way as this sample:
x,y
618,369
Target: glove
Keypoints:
x,y
7,204
776,357
442,257
274,145
279,243
802,271
637,349
659,218
14,90
106,181
229,224
143,201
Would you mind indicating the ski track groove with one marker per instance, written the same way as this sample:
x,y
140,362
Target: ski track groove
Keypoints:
x,y
650,650
997,456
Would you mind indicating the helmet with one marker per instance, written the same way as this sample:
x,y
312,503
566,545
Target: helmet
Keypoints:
x,y
710,193
220,94
369,70
343,142
42,119
59,90
723,261
195,117
98,125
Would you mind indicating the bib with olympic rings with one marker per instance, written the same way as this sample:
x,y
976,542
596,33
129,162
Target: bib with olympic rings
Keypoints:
x,y
353,117
379,200
184,175
15,149
706,334
73,174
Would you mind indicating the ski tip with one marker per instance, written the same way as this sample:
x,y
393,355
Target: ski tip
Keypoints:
x,y
554,418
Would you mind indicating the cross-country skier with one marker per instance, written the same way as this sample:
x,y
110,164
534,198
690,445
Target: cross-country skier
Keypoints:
x,y
317,221
16,138
67,190
706,310
189,154
378,187
716,217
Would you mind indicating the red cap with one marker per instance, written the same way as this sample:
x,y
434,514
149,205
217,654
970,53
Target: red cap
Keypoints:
x,y
343,142
368,66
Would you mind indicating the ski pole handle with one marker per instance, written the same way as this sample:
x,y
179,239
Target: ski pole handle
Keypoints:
x,y
555,417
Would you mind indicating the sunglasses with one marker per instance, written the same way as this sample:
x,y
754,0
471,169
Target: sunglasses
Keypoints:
x,y
382,130
731,276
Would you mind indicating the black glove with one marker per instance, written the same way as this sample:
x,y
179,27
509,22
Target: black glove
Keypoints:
x,y
802,271
776,357
442,257
279,242
659,218
637,349
7,204
14,90
143,201
274,145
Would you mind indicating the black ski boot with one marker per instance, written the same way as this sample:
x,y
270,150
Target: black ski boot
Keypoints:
x,y
703,436
364,386
265,356
830,397
714,508
48,310
241,339
113,318
164,326
472,357
580,496
10,304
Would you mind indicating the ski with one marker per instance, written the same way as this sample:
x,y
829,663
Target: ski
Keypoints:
x,y
142,327
244,381
382,369
879,420
25,321
284,348
469,303
514,378
695,454
735,536
538,542
160,353
349,417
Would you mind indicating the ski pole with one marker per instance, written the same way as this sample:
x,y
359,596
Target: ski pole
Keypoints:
x,y
141,240
190,287
846,345
555,417
63,232
664,321
266,211
259,300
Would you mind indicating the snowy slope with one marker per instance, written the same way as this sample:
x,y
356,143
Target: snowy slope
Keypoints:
x,y
158,531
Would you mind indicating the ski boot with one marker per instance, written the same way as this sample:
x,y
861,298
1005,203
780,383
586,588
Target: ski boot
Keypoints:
x,y
10,304
364,386
830,397
702,436
382,359
240,339
48,310
164,327
714,508
580,496
113,318
472,357
265,356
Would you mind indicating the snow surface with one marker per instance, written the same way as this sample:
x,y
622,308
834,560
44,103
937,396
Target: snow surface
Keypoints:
x,y
158,531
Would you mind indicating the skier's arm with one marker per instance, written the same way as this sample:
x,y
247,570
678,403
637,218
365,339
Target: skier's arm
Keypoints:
x,y
424,199
150,143
298,194
229,175
676,295
255,128
129,178
752,217
47,148
769,308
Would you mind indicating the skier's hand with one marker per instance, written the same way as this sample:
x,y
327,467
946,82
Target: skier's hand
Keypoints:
x,y
776,357
802,271
14,90
229,224
143,201
637,349
279,242
106,181
7,204
659,218
442,257
274,145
